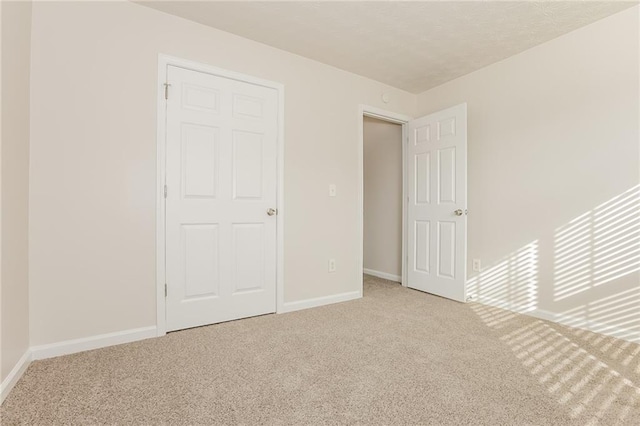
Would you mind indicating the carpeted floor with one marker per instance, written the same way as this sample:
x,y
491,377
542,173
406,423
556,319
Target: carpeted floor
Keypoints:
x,y
397,356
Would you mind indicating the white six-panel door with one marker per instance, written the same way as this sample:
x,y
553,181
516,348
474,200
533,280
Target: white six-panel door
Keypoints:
x,y
221,160
436,214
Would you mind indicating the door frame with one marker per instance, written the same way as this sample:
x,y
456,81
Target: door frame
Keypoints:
x,y
392,117
164,61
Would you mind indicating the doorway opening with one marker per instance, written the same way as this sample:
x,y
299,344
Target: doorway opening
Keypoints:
x,y
382,191
382,212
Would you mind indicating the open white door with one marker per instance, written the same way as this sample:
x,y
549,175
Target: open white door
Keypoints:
x,y
437,202
221,198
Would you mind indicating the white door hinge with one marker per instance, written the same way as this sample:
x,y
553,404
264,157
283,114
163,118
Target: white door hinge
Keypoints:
x,y
165,289
165,191
166,90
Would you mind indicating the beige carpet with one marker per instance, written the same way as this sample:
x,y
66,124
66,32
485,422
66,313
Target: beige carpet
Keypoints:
x,y
397,356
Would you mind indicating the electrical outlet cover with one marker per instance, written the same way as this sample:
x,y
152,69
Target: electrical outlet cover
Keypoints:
x,y
332,265
477,265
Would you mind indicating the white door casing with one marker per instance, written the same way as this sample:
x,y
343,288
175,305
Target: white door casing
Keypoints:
x,y
221,177
392,117
437,202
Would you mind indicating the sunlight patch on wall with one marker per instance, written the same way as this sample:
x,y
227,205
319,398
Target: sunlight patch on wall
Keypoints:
x,y
511,283
618,314
599,246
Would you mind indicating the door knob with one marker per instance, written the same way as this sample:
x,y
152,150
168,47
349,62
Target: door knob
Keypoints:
x,y
271,212
458,212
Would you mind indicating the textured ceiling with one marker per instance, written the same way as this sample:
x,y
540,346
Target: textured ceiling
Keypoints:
x,y
411,45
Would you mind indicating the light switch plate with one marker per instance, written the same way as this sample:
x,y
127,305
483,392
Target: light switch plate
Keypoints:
x,y
332,190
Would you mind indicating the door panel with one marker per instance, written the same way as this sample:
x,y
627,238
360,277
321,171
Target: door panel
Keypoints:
x,y
436,168
247,165
422,249
248,256
422,181
201,260
200,160
447,175
446,249
221,180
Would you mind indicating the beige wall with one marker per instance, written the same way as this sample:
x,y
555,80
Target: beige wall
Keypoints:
x,y
382,196
554,168
14,293
553,135
93,155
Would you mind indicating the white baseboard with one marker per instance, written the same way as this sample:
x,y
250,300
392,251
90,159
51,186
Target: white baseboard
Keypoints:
x,y
594,326
94,342
383,275
497,303
566,320
14,375
319,301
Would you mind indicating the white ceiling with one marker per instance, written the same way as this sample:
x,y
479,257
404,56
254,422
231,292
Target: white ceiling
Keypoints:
x,y
411,45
